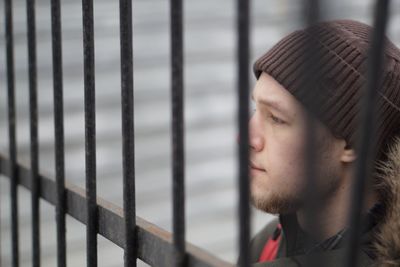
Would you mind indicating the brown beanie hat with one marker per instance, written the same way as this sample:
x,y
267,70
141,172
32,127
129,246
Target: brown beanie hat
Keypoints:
x,y
341,49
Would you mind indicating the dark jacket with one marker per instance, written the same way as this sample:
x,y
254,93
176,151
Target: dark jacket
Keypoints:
x,y
380,244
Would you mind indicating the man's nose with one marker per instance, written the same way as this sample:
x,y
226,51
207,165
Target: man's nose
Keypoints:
x,y
256,140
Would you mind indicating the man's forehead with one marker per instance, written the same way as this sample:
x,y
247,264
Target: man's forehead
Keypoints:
x,y
270,93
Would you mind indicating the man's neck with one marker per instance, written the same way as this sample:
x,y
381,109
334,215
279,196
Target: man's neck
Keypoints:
x,y
331,215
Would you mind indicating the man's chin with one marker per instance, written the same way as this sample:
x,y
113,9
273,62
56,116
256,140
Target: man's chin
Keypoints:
x,y
275,204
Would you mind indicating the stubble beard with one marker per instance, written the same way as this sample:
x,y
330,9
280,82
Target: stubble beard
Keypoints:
x,y
284,202
276,203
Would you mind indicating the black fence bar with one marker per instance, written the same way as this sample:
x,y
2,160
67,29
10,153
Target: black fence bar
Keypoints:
x,y
367,127
90,132
12,132
35,196
178,153
311,15
243,53
155,245
59,131
128,145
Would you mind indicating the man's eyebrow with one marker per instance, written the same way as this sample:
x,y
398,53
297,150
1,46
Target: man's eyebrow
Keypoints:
x,y
273,104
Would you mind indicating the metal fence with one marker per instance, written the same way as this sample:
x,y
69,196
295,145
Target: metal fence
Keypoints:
x,y
141,239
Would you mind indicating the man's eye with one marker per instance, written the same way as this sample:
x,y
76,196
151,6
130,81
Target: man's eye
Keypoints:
x,y
276,119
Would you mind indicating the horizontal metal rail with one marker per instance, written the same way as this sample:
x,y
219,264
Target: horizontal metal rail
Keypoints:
x,y
155,245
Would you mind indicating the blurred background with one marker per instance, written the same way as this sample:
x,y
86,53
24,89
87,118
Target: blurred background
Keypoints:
x,y
210,114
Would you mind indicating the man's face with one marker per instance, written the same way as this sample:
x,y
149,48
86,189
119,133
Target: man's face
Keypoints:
x,y
277,145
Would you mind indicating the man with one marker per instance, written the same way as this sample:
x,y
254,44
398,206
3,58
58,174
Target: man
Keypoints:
x,y
278,129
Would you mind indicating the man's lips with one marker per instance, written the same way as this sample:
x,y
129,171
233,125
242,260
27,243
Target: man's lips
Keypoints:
x,y
254,166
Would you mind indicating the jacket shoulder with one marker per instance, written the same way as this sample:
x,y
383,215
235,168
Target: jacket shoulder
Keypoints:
x,y
259,240
331,258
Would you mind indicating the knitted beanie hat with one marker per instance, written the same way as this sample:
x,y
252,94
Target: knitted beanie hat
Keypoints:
x,y
340,49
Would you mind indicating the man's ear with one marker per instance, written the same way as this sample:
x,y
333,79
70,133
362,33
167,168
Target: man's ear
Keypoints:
x,y
348,154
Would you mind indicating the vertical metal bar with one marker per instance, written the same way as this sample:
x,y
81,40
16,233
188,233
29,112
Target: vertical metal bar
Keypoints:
x,y
243,53
59,131
128,148
311,15
12,131
178,153
367,127
90,133
31,25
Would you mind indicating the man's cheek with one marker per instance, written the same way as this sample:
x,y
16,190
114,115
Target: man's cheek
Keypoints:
x,y
295,171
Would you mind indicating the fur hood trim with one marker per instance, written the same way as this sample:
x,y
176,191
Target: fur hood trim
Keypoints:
x,y
387,237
